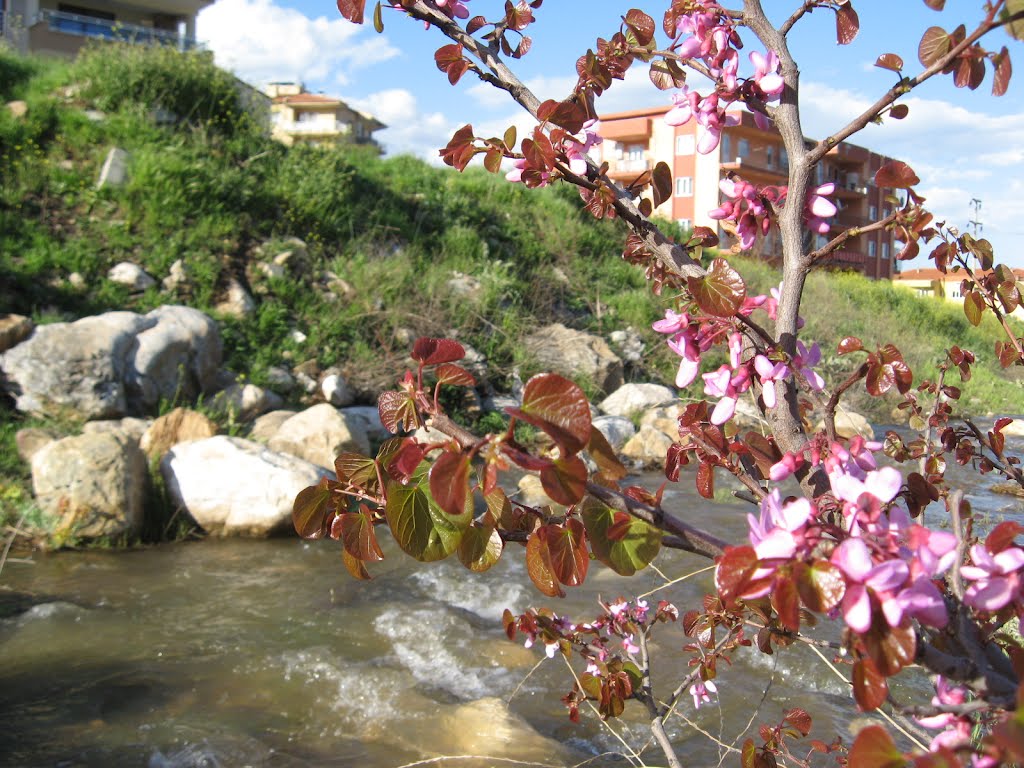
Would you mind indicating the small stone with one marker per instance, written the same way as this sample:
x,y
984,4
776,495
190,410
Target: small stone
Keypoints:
x,y
298,336
115,169
18,108
130,275
177,277
279,379
272,271
335,389
76,281
238,302
14,329
648,447
178,426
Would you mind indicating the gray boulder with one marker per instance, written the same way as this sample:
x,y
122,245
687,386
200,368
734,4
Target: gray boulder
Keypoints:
x,y
266,426
129,426
648,447
575,354
93,484
113,364
318,434
616,430
630,399
243,402
235,487
178,426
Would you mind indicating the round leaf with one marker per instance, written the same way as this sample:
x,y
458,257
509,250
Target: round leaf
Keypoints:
x,y
874,748
567,548
557,406
311,509
565,480
538,566
435,351
635,544
480,548
418,526
720,292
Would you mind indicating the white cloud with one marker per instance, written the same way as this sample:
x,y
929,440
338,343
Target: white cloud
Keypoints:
x,y
262,42
410,130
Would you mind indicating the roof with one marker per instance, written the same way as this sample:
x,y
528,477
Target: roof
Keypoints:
x,y
931,273
312,99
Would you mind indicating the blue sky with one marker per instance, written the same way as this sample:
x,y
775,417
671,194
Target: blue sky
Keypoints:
x,y
963,145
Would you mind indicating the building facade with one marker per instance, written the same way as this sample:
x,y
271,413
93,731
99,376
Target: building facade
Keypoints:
x,y
635,141
931,283
312,118
61,29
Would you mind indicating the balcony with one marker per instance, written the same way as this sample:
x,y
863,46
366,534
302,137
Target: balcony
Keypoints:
x,y
314,127
90,26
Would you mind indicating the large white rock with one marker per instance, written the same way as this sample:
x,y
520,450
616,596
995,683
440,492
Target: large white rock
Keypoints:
x,y
235,487
630,399
318,434
648,447
94,484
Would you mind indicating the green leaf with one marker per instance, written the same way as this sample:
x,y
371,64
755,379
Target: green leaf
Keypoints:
x,y
604,456
355,566
480,547
974,307
311,509
636,543
935,43
510,138
378,18
720,292
567,546
558,407
419,526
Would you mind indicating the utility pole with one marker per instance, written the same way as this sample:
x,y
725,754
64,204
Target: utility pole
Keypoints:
x,y
975,222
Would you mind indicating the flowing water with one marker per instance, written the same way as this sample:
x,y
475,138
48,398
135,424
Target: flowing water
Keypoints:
x,y
266,653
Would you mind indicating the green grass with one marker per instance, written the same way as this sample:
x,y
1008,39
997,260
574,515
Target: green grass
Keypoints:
x,y
210,188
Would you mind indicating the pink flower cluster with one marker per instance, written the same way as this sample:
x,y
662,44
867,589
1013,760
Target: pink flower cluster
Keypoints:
x,y
710,35
750,209
997,577
956,729
572,149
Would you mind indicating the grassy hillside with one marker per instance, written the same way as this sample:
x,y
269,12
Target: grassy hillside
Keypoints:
x,y
210,188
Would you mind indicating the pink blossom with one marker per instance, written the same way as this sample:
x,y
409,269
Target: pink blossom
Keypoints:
x,y
996,577
456,8
724,384
819,208
685,106
784,467
629,646
804,362
769,373
779,533
701,692
945,695
766,74
864,577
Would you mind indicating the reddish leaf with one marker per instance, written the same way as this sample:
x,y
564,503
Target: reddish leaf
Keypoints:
x,y
720,292
786,602
764,452
890,61
899,111
874,748
449,485
475,24
935,5
435,351
565,480
1003,72
734,571
405,460
358,536
799,719
397,411
312,510
355,566
567,114
352,10
355,469
557,406
974,307
448,59
454,375
667,74
850,344
1002,536
604,456
821,586
539,567
567,546
870,688
847,24
459,150
896,174
706,480
641,25
890,648
661,183
935,44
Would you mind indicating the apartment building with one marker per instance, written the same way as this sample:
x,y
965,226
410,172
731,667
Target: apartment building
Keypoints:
x,y
929,282
61,29
635,141
297,116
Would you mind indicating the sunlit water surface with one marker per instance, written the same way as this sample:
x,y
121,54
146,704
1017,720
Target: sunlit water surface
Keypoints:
x,y
266,653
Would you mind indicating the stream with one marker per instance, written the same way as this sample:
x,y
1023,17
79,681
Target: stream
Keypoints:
x,y
266,653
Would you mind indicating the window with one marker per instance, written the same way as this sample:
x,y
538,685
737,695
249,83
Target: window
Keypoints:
x,y
871,249
873,212
685,224
770,156
305,117
685,144
819,174
885,251
726,148
684,186
784,159
743,148
635,152
956,292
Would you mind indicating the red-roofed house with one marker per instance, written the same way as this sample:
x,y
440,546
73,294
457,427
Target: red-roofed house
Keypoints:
x,y
930,282
312,118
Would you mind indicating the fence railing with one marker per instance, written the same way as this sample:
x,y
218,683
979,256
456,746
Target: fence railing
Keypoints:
x,y
91,26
